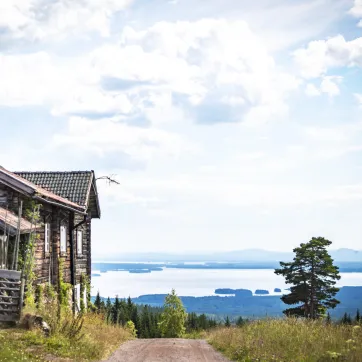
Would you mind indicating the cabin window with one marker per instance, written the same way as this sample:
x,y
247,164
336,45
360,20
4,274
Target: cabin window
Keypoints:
x,y
47,237
77,296
79,242
63,239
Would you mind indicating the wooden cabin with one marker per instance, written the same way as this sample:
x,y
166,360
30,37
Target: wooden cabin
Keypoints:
x,y
67,202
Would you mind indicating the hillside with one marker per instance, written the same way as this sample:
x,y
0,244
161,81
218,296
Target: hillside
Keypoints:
x,y
247,255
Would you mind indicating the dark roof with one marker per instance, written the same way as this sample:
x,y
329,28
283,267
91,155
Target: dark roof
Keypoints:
x,y
74,186
23,185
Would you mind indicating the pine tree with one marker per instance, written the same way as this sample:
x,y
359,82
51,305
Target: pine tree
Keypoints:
x,y
240,322
109,311
227,322
98,302
116,309
313,276
328,319
346,319
173,317
358,317
145,323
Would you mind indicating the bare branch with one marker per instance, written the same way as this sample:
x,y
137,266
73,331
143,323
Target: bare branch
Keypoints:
x,y
110,179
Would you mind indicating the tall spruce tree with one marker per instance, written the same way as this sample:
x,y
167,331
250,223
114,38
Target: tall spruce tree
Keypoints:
x,y
313,276
98,302
358,317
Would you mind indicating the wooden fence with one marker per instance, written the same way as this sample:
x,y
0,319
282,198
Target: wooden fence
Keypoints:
x,y
9,295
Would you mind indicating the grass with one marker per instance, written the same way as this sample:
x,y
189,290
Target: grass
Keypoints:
x,y
97,341
289,340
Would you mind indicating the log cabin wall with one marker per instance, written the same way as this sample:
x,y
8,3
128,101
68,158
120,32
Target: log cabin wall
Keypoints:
x,y
82,259
45,263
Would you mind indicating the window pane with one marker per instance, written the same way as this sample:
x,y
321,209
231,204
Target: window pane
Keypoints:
x,y
79,242
63,239
47,237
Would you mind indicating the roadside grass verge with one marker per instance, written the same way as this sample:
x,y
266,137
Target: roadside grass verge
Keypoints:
x,y
289,340
96,341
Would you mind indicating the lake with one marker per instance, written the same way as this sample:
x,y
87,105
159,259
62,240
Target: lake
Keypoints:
x,y
191,282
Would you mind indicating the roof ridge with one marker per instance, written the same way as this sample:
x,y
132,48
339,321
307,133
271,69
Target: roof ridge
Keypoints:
x,y
79,171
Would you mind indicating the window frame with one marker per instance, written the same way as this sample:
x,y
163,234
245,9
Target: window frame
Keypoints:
x,y
63,251
79,236
47,237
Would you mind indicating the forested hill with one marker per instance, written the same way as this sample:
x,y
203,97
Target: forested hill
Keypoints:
x,y
247,305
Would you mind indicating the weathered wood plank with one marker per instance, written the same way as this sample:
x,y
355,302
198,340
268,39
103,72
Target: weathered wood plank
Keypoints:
x,y
8,289
7,282
9,310
8,297
9,317
10,274
8,303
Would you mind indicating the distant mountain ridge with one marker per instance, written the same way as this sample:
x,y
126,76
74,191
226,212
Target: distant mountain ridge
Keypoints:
x,y
247,255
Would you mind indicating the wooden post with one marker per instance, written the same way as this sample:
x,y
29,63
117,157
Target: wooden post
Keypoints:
x,y
22,291
17,240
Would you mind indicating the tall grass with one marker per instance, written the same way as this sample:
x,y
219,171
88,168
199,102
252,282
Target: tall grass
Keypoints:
x,y
289,340
95,341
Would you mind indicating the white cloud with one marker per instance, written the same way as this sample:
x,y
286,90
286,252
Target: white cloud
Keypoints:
x,y
311,90
319,56
329,85
359,98
42,19
212,61
201,59
357,10
101,137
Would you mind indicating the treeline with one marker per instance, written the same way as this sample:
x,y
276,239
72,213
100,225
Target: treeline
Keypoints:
x,y
146,318
348,319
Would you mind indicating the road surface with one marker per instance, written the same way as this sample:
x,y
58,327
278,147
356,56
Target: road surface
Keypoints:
x,y
166,350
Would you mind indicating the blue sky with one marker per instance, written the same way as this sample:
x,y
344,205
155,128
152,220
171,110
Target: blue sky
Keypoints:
x,y
229,124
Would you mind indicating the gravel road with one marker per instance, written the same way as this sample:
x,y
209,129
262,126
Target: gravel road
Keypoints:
x,y
166,350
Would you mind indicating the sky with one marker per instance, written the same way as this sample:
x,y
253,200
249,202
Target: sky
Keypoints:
x,y
229,124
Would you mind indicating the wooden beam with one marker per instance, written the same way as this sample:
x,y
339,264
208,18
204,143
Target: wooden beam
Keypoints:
x,y
8,289
9,317
9,303
9,274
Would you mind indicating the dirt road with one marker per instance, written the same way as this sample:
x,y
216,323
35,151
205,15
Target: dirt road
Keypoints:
x,y
166,350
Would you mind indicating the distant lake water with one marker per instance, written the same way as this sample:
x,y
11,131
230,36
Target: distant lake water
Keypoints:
x,y
191,282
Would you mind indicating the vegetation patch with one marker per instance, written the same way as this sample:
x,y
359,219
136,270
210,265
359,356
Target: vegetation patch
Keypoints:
x,y
95,341
289,339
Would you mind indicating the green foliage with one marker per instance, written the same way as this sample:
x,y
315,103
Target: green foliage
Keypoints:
x,y
199,323
71,328
98,342
328,318
358,317
40,296
146,318
313,276
346,319
240,322
289,339
26,253
63,290
227,322
173,318
85,288
131,328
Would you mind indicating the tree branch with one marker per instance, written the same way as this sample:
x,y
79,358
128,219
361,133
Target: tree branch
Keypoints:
x,y
110,179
